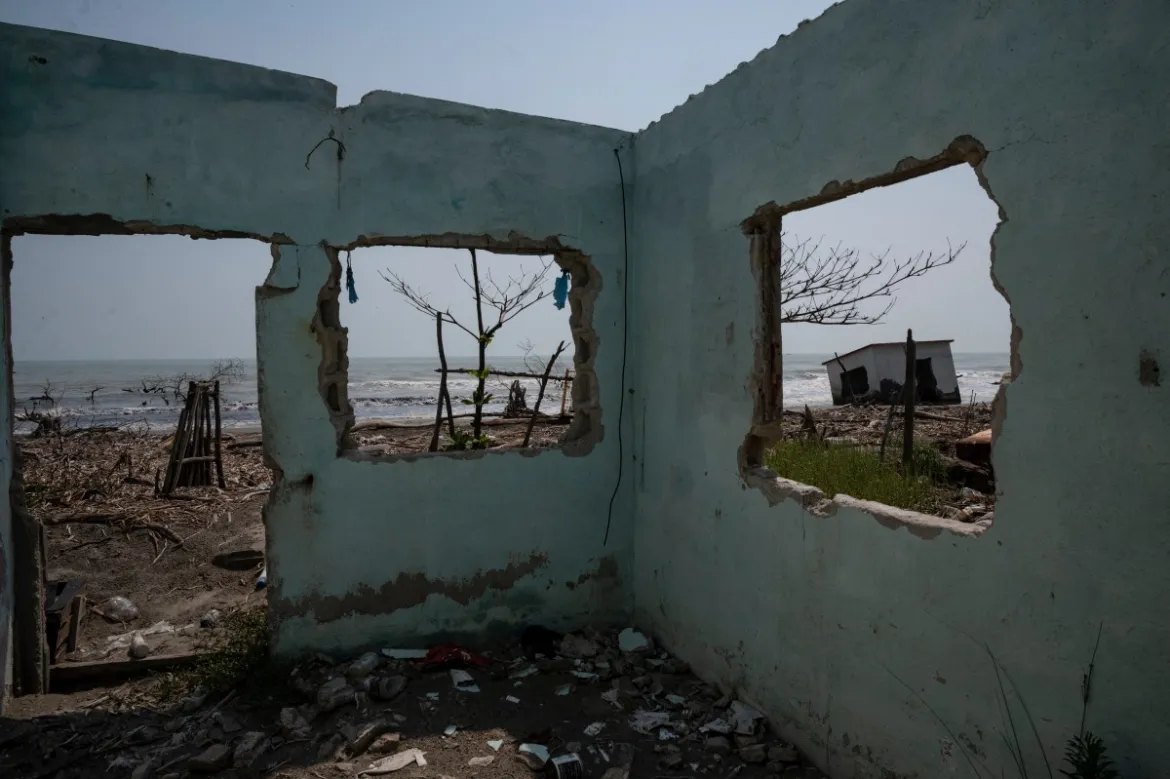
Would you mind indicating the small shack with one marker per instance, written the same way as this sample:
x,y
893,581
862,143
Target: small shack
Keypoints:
x,y
875,373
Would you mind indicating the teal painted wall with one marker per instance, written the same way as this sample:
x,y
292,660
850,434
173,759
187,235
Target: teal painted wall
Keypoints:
x,y
95,127
812,617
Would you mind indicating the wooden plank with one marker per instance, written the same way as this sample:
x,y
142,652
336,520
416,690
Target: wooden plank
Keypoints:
x,y
109,670
75,620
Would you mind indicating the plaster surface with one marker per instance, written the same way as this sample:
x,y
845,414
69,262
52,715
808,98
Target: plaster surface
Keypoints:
x,y
360,554
817,618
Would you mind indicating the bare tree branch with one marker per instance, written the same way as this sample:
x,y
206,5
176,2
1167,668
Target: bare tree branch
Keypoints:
x,y
831,286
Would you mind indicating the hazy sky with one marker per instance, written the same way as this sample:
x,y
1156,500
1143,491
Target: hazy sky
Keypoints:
x,y
620,64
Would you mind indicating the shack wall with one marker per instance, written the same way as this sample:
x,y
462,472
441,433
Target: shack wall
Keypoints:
x,y
846,627
98,136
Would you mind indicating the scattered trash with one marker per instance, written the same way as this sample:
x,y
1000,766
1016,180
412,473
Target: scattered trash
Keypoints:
x,y
405,654
262,579
666,734
362,738
480,762
611,696
250,746
568,766
463,681
720,726
445,655
293,724
578,647
676,700
119,609
387,742
594,729
335,693
495,744
535,756
396,762
646,722
512,699
744,718
210,619
630,640
564,689
586,676
525,672
432,696
450,730
363,666
138,647
387,688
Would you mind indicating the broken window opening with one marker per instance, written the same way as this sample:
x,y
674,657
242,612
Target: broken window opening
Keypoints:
x,y
829,426
133,380
465,346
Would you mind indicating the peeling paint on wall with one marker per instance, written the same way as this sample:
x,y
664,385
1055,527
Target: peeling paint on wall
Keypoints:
x,y
408,590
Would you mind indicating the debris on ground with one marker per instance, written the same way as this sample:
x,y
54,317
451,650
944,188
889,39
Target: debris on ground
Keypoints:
x,y
643,714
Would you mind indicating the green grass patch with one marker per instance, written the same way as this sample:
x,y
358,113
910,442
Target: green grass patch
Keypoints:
x,y
856,471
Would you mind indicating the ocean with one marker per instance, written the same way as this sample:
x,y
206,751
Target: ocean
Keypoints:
x,y
111,392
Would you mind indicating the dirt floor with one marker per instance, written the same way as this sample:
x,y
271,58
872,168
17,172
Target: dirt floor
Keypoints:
x,y
623,713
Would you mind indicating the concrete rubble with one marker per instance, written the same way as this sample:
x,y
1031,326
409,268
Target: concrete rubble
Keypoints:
x,y
620,713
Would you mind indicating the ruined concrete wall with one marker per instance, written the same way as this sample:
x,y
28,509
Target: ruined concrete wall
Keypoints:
x,y
359,553
817,618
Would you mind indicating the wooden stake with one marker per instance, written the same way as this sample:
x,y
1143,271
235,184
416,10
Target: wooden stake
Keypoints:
x,y
540,395
908,389
219,442
434,447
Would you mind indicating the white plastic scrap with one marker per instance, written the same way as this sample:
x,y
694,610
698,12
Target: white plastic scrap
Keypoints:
x,y
525,672
586,676
535,755
405,654
646,722
463,681
396,762
495,744
594,728
512,699
564,689
743,718
677,700
451,730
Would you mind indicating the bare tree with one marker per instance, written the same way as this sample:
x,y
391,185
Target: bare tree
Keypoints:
x,y
508,300
832,286
174,386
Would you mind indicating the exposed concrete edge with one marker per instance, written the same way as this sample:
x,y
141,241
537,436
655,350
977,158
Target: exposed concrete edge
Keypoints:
x,y
814,501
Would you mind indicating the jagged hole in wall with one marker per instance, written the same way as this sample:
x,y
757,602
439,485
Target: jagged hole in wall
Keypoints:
x,y
392,299
852,277
108,332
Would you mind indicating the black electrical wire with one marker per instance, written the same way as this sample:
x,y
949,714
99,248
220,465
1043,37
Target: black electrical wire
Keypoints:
x,y
625,344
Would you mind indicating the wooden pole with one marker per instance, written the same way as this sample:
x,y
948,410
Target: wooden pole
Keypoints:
x,y
909,393
444,390
540,395
434,447
219,442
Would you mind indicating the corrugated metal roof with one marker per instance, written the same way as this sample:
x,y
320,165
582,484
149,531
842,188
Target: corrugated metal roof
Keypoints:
x,y
887,343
